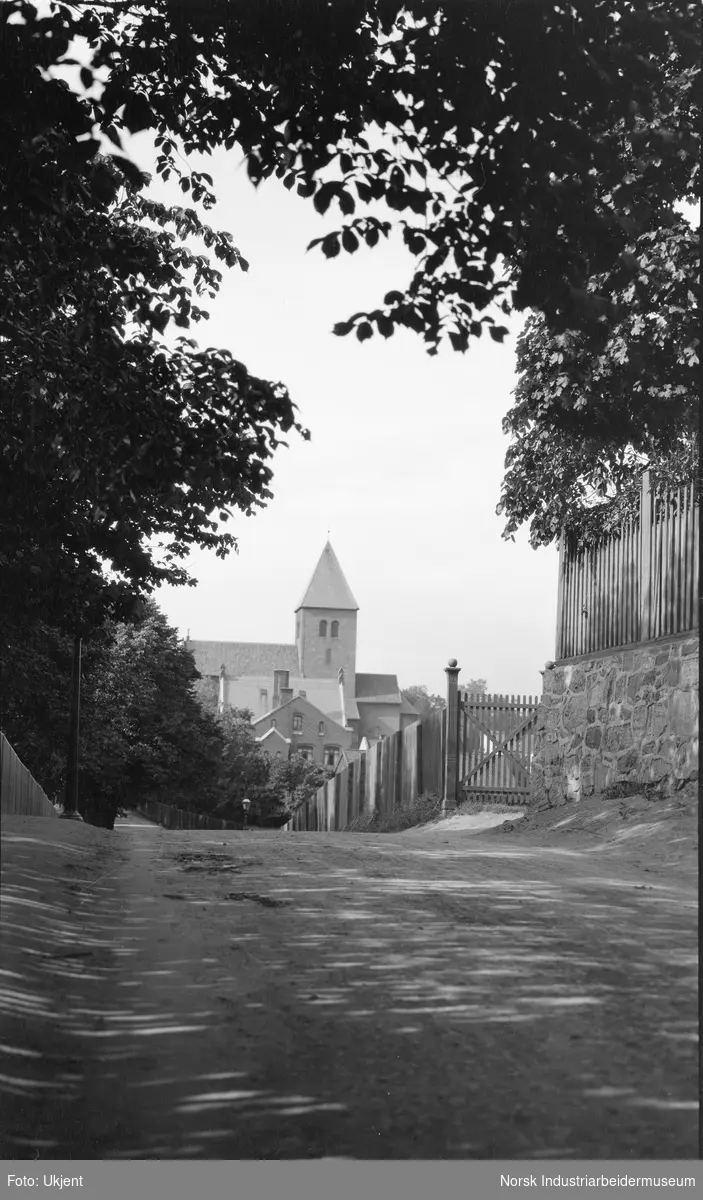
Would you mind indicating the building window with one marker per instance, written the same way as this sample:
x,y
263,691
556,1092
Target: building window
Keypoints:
x,y
328,657
297,723
331,756
306,753
321,729
323,629
335,629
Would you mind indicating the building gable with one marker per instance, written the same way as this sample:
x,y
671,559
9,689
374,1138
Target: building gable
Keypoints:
x,y
302,724
274,742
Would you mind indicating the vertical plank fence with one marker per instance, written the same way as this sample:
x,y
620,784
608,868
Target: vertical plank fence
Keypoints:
x,y
20,794
393,772
639,583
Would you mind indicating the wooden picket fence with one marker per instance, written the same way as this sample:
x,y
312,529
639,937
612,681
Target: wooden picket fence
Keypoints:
x,y
391,773
170,817
20,794
495,747
639,583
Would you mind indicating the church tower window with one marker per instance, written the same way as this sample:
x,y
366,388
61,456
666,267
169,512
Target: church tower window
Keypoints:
x,y
323,629
334,632
328,657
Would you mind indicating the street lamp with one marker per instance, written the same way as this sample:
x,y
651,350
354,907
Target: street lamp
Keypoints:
x,y
70,811
246,805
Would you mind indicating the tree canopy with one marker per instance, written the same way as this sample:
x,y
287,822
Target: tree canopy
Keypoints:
x,y
144,734
426,703
585,425
116,446
275,786
592,410
520,150
486,127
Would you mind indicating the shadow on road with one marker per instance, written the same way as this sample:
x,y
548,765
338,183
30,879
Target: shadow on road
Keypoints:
x,y
273,995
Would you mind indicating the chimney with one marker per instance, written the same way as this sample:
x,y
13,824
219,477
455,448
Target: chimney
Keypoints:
x,y
286,694
280,681
303,694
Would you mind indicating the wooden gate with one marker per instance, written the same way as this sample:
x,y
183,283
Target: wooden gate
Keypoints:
x,y
494,747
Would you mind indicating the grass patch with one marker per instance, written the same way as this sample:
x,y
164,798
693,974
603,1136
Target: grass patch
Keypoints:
x,y
421,811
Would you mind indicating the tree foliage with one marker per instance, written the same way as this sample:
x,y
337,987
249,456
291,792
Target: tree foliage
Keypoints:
x,y
116,445
518,149
245,766
593,410
427,703
275,786
488,128
295,780
484,128
144,735
585,425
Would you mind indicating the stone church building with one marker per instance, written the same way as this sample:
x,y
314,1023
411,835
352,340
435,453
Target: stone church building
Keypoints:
x,y
307,697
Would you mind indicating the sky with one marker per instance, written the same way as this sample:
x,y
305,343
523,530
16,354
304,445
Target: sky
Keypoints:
x,y
402,471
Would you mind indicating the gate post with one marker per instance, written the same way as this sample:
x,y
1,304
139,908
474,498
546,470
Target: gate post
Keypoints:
x,y
451,777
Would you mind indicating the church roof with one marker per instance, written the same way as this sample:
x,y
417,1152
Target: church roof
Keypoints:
x,y
244,658
328,588
377,689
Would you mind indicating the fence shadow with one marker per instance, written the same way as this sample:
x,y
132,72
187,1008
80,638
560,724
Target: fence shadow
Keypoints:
x,y
268,996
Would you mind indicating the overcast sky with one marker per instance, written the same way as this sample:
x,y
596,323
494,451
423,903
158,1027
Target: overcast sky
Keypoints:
x,y
403,468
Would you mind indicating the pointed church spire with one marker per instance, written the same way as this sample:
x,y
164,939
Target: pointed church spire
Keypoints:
x,y
328,588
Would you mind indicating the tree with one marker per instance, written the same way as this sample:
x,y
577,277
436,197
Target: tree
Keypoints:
x,y
144,735
35,676
422,701
484,131
426,703
483,128
116,446
475,687
245,767
586,422
295,780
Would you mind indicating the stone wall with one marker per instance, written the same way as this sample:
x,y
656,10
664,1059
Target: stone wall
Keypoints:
x,y
623,716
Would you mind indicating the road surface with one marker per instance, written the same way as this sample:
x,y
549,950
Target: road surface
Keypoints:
x,y
243,995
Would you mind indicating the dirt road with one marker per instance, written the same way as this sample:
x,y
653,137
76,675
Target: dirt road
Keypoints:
x,y
274,995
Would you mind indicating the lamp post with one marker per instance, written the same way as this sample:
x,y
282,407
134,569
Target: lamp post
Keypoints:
x,y
246,805
71,812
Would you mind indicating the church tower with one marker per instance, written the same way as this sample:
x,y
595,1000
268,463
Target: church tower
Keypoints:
x,y
325,624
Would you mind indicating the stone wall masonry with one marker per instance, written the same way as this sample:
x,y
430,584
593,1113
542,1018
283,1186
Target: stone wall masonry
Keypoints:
x,y
630,716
